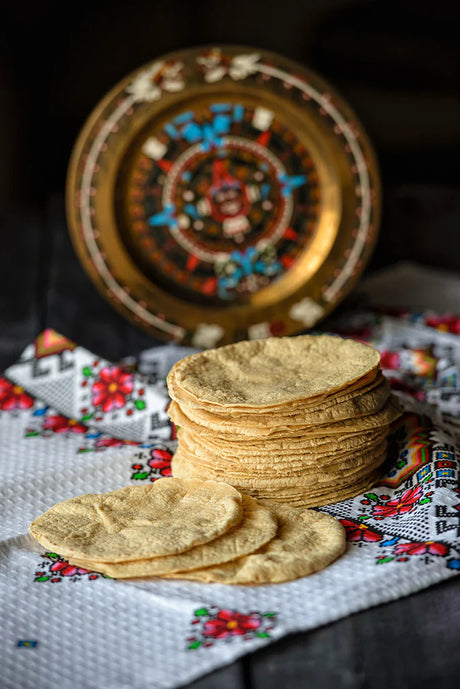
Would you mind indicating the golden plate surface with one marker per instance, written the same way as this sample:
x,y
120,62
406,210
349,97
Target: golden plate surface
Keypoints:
x,y
220,194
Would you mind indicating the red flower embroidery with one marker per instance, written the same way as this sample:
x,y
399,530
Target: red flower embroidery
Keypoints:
x,y
114,442
229,623
13,396
430,547
67,570
359,532
108,442
109,392
161,460
389,359
404,503
61,424
447,323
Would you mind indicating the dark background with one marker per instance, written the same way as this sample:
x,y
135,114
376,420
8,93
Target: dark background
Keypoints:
x,y
396,62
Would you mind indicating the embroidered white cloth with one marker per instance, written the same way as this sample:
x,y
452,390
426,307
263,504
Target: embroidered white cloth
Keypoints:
x,y
71,423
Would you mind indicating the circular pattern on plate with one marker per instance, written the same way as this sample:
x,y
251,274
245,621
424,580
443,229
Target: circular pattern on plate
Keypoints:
x,y
223,194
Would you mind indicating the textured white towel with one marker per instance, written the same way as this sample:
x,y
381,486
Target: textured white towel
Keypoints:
x,y
71,423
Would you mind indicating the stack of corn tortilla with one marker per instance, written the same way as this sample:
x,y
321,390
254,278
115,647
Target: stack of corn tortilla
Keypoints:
x,y
190,529
300,420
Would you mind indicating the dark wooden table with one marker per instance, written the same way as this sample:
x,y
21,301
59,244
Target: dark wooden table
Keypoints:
x,y
412,643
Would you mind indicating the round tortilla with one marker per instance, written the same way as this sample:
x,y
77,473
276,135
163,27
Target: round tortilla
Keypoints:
x,y
364,384
272,461
345,493
386,415
257,527
296,444
357,406
306,542
310,478
164,518
308,493
273,371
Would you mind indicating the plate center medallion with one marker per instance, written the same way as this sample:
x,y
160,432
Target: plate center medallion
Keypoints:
x,y
225,199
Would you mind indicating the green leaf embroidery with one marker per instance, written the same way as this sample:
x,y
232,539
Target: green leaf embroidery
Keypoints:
x,y
141,475
200,612
263,635
31,434
269,614
44,578
86,417
195,644
87,371
384,559
424,501
139,404
372,496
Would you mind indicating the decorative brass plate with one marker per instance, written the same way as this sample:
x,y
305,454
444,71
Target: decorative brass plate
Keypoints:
x,y
220,194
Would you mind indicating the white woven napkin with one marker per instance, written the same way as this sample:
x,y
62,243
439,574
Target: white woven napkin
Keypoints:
x,y
71,423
